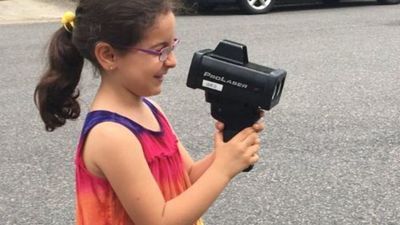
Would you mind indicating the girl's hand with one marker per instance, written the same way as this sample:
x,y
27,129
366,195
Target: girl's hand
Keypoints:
x,y
258,126
240,152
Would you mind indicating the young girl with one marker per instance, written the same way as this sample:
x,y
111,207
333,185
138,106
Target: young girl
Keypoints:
x,y
130,166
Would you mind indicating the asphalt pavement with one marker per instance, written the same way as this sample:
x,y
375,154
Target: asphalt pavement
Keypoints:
x,y
30,11
331,148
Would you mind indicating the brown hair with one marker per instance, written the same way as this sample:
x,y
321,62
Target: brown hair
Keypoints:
x,y
116,22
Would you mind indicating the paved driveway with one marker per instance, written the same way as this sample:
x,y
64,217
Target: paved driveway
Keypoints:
x,y
331,149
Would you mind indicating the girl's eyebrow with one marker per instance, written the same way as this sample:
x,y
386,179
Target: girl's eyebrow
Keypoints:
x,y
160,44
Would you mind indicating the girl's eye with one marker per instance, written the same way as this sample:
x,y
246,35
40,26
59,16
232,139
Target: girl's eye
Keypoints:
x,y
161,48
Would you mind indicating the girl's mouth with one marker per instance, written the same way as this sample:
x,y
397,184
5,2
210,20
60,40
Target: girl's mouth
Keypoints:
x,y
159,77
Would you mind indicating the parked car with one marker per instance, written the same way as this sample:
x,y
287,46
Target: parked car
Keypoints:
x,y
257,6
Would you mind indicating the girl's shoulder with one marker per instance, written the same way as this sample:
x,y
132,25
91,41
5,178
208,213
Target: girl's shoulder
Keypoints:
x,y
105,141
109,135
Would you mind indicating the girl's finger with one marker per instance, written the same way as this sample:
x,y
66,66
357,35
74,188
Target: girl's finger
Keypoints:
x,y
258,127
244,134
219,126
218,137
254,158
251,139
262,113
253,150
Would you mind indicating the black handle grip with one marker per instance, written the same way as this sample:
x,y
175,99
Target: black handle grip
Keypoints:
x,y
235,118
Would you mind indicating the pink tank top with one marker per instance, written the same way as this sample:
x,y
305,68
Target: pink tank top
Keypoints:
x,y
96,202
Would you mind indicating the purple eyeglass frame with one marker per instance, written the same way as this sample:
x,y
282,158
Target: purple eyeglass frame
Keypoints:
x,y
166,50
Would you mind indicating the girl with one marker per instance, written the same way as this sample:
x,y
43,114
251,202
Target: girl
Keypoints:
x,y
130,166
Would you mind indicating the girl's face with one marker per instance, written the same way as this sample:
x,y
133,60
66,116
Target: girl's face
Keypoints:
x,y
140,72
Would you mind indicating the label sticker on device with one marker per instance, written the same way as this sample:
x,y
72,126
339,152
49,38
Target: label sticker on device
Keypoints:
x,y
212,85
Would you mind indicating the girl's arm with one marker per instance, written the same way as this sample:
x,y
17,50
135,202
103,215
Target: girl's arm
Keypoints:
x,y
195,169
117,153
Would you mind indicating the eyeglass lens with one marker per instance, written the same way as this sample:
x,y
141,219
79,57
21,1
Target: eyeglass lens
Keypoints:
x,y
166,51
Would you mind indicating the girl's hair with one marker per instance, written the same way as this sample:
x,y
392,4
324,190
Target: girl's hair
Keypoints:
x,y
116,22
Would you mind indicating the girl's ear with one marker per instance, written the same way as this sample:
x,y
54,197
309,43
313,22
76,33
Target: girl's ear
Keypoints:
x,y
105,55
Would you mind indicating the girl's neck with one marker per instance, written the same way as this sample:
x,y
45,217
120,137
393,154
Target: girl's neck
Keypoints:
x,y
115,99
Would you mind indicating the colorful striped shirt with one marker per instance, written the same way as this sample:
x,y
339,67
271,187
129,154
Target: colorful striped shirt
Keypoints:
x,y
96,202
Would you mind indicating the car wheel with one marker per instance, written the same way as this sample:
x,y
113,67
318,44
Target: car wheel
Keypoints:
x,y
389,2
256,6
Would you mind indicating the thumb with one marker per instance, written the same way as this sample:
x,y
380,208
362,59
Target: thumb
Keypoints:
x,y
218,137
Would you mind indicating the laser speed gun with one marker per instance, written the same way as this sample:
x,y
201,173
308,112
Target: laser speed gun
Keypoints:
x,y
236,88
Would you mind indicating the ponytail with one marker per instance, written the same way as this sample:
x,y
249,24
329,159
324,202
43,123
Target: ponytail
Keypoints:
x,y
56,94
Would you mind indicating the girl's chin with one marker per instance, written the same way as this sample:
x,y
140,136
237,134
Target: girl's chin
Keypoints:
x,y
155,91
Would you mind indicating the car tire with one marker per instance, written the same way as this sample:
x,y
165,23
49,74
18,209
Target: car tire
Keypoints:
x,y
388,2
256,6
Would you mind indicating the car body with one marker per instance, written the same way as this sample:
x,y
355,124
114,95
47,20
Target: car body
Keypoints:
x,y
260,6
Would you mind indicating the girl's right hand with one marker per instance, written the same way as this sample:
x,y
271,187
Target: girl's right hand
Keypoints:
x,y
238,153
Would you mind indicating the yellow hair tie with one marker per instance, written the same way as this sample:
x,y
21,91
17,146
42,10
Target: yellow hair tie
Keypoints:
x,y
67,20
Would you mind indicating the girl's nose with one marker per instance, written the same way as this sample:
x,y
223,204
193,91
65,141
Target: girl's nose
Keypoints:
x,y
171,60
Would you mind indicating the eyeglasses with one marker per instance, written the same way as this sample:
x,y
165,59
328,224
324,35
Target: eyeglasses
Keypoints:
x,y
162,53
